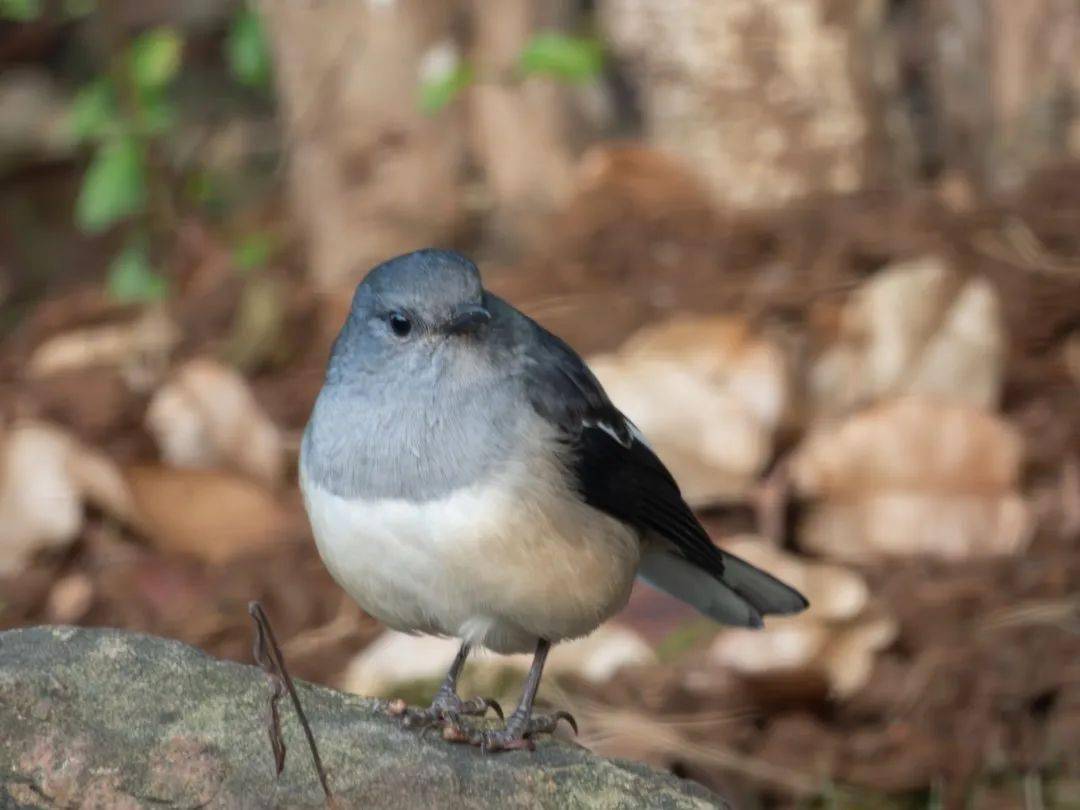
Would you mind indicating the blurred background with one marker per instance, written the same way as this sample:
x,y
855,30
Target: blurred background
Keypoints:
x,y
825,254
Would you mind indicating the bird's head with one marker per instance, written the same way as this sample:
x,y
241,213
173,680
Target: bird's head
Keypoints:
x,y
409,310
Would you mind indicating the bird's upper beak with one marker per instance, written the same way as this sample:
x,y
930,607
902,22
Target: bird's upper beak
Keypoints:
x,y
468,319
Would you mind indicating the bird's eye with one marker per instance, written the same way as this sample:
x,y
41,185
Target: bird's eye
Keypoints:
x,y
400,325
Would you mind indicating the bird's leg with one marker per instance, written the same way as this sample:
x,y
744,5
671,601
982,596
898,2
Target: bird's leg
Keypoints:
x,y
521,725
447,707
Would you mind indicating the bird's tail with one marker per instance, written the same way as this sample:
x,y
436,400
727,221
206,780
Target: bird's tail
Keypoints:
x,y
739,596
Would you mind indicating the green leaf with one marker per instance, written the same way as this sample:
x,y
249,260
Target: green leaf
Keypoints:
x,y
76,9
247,51
573,59
132,278
254,250
93,110
157,114
114,186
155,58
20,10
439,91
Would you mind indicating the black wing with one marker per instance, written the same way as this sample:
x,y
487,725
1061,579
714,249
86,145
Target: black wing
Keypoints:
x,y
615,470
617,473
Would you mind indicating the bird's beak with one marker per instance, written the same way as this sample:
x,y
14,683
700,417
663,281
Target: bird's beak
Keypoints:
x,y
468,319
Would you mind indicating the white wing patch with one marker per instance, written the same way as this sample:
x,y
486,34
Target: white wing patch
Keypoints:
x,y
625,437
637,435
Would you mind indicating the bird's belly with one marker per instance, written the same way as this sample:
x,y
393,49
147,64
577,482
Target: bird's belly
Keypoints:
x,y
498,564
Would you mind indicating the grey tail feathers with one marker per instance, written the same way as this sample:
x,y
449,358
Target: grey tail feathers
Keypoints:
x,y
740,596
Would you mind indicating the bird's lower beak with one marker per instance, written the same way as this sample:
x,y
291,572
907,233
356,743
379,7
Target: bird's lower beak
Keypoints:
x,y
468,319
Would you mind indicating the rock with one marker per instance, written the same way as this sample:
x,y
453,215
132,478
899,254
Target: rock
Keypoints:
x,y
108,718
913,476
914,329
708,393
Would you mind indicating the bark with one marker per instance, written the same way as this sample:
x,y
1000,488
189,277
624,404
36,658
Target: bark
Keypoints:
x,y
519,128
371,175
1004,77
774,100
757,95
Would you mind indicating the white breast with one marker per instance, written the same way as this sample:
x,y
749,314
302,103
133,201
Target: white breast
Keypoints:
x,y
499,563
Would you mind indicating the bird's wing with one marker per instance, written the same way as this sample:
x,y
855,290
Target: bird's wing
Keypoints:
x,y
615,469
617,472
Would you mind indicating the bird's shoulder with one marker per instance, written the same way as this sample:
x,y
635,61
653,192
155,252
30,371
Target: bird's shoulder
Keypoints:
x,y
556,380
612,465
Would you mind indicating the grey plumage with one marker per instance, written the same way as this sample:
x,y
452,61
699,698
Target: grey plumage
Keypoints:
x,y
473,400
698,588
415,424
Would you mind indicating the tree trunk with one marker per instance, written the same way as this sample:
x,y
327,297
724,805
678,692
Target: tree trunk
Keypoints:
x,y
757,95
1004,77
519,128
773,100
371,175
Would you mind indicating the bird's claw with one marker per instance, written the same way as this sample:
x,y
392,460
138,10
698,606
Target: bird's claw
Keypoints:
x,y
569,718
445,711
518,733
478,707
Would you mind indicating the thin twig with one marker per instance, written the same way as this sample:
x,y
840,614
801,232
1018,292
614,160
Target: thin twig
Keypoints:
x,y
277,689
268,656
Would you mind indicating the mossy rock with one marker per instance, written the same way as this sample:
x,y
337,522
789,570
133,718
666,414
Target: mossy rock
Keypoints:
x,y
105,718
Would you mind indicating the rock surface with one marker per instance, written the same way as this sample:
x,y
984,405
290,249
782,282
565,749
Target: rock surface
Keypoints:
x,y
104,718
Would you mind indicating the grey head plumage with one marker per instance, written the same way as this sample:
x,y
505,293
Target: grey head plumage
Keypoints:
x,y
412,405
403,308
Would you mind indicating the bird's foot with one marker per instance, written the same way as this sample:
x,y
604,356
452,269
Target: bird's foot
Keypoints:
x,y
446,710
517,734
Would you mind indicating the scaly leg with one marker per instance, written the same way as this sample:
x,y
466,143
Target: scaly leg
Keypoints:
x,y
521,725
447,707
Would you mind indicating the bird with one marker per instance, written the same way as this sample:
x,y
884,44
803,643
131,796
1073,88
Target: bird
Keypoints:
x,y
466,476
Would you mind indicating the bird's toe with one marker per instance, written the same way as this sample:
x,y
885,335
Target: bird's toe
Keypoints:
x,y
447,710
519,732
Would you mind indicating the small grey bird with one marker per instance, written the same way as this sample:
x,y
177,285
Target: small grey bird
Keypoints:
x,y
465,475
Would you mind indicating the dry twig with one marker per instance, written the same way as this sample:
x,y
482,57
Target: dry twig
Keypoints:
x,y
268,656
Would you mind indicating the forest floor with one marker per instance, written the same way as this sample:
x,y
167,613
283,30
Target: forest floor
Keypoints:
x,y
977,699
